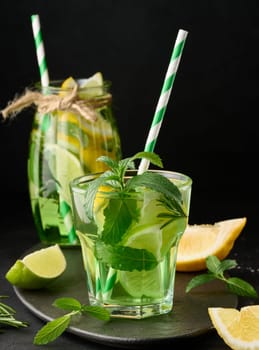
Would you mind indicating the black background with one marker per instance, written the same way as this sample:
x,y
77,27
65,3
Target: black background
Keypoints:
x,y
210,127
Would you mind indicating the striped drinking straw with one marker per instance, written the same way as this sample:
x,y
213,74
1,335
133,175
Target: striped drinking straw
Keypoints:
x,y
40,51
164,97
156,123
65,209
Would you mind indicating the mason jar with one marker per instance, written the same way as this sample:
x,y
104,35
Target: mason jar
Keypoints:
x,y
65,143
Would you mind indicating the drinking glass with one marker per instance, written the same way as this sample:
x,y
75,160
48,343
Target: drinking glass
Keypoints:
x,y
64,145
129,244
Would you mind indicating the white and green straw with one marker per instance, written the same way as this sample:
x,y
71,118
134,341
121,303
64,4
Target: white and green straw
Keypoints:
x,y
156,123
65,208
164,97
40,51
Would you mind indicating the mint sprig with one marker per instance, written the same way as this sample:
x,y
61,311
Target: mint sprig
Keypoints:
x,y
53,329
114,178
216,270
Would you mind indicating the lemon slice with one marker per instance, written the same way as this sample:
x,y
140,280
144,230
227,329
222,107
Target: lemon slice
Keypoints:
x,y
200,241
37,269
238,329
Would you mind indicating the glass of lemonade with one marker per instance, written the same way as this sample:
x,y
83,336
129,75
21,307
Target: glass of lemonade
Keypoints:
x,y
129,243
64,145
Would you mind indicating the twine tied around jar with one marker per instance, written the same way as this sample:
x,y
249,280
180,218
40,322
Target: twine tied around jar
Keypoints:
x,y
50,103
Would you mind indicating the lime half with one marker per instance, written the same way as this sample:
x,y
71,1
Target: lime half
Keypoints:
x,y
37,269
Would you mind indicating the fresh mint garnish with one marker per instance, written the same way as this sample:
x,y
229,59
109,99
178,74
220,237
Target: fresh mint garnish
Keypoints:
x,y
118,214
53,329
216,270
114,178
133,259
122,209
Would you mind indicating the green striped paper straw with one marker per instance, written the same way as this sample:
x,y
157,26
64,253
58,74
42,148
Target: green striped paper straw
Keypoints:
x,y
40,51
64,207
164,97
157,121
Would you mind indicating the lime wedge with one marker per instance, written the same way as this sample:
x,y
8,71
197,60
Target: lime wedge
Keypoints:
x,y
37,269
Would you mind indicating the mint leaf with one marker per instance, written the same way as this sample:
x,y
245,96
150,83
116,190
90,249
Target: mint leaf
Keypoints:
x,y
240,287
199,280
213,263
155,182
96,311
92,190
111,163
151,156
52,330
216,269
226,265
125,258
118,217
70,304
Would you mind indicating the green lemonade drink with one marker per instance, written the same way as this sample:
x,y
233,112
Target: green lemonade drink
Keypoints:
x,y
63,145
129,238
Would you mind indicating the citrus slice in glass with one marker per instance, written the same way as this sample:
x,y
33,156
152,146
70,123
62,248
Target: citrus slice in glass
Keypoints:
x,y
93,86
37,269
143,283
87,250
238,329
89,87
64,167
200,241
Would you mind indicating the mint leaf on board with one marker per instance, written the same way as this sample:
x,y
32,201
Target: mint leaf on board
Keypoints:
x,y
97,312
240,287
70,304
53,329
216,269
199,280
125,258
118,217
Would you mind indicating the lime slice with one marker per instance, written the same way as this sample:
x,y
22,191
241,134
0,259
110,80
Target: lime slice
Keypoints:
x,y
143,283
147,237
149,233
36,270
64,167
87,253
92,86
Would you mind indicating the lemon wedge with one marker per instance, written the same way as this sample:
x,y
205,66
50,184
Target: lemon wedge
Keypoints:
x,y
238,329
200,241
